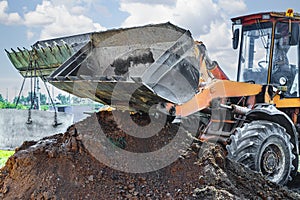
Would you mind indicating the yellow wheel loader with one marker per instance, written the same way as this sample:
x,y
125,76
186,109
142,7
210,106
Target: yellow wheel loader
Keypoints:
x,y
160,67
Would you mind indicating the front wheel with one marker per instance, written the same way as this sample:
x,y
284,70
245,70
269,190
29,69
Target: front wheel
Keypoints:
x,y
264,147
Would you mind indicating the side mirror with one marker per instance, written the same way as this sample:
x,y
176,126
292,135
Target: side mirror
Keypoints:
x,y
294,34
235,39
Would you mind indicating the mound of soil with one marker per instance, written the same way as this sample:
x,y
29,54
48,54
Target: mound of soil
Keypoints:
x,y
61,167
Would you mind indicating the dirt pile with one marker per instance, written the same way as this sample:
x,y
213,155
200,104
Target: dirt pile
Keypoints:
x,y
60,167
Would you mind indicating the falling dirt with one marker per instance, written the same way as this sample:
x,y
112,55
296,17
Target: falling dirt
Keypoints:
x,y
61,167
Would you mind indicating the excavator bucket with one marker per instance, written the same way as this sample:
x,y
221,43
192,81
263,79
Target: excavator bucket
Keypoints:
x,y
133,67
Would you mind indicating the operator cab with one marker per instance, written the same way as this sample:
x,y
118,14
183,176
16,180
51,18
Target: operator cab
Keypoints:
x,y
269,50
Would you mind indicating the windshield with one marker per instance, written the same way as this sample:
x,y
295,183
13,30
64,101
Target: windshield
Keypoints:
x,y
255,51
285,68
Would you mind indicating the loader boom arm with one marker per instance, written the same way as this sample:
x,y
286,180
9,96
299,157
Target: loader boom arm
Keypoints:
x,y
216,89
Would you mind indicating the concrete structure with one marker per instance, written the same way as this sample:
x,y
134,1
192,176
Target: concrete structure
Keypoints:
x,y
14,130
80,112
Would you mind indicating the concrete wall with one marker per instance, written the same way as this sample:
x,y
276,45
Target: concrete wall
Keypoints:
x,y
14,130
78,111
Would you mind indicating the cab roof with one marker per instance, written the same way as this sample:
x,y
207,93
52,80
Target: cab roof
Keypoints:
x,y
266,16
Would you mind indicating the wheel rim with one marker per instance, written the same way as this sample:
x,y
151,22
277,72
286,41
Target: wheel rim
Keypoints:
x,y
272,162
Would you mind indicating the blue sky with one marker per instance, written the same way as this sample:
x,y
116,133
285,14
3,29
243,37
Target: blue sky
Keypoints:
x,y
22,23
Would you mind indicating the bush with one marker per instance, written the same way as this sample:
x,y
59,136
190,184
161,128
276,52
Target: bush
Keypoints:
x,y
4,155
4,105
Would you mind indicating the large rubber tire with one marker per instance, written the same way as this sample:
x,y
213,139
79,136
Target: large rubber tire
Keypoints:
x,y
265,147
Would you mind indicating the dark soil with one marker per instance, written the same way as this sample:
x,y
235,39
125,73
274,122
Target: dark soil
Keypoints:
x,y
61,167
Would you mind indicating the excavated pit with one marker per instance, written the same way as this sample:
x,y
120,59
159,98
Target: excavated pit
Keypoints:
x,y
61,167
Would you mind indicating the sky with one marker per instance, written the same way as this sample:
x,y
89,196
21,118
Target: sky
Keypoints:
x,y
23,22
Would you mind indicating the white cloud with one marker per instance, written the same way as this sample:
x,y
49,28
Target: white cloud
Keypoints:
x,y
141,14
208,21
30,34
53,18
68,25
43,15
218,43
8,18
78,10
232,7
195,15
58,20
164,2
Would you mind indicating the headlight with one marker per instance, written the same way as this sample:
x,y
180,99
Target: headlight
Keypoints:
x,y
282,81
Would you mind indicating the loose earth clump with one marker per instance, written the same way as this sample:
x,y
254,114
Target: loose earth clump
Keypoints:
x,y
61,167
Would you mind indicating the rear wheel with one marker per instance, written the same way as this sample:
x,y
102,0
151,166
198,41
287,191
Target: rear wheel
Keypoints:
x,y
264,147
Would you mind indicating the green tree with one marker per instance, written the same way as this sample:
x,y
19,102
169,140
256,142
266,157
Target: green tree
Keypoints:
x,y
43,99
1,98
25,100
62,98
76,100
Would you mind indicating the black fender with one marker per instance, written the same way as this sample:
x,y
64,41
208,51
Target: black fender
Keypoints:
x,y
271,113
